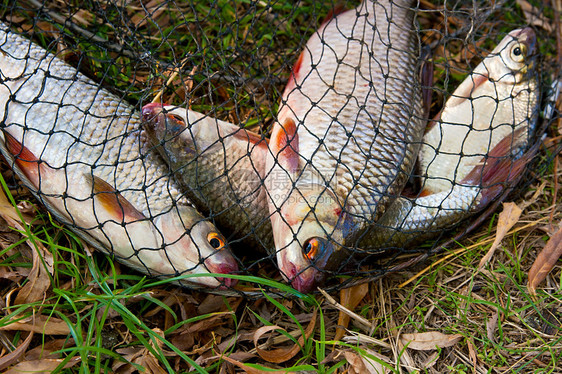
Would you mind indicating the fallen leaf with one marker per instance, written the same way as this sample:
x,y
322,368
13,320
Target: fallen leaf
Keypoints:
x,y
38,280
545,261
534,16
472,354
349,298
41,366
9,213
356,364
425,341
139,356
508,217
491,326
39,323
282,354
16,354
251,370
373,366
49,349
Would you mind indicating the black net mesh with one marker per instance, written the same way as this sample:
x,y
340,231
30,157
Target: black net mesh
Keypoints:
x,y
126,119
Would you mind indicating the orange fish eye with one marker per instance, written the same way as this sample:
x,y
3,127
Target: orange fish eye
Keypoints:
x,y
216,240
177,118
311,247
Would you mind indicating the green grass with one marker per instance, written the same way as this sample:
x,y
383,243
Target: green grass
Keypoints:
x,y
109,308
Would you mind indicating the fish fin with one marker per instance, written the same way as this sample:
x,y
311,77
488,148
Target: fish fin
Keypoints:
x,y
498,170
249,136
465,89
113,202
334,12
285,143
426,79
291,83
26,161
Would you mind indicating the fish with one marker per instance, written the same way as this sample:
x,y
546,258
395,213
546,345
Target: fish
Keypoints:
x,y
407,219
221,166
475,148
498,97
346,137
82,152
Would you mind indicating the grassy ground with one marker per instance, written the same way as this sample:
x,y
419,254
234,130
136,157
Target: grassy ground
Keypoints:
x,y
66,308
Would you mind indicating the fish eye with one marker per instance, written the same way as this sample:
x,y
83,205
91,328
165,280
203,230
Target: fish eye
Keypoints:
x,y
216,240
176,118
311,248
518,52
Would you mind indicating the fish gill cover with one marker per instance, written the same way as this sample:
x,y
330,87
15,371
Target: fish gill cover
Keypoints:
x,y
322,144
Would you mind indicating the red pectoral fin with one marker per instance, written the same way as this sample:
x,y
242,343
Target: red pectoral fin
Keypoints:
x,y
114,203
26,161
499,170
284,143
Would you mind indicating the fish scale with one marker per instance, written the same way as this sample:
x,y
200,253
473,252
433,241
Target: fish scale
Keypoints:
x,y
354,87
212,159
82,152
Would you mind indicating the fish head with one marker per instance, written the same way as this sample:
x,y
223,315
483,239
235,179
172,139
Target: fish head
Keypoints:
x,y
513,60
195,246
308,236
178,131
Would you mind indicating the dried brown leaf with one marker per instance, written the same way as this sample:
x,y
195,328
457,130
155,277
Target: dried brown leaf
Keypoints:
x,y
282,354
508,217
39,323
425,341
16,354
38,280
472,354
356,364
545,261
534,16
9,213
45,366
373,366
49,349
349,298
491,326
251,370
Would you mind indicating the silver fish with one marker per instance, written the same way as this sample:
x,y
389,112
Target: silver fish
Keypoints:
x,y
81,151
346,138
497,98
221,165
476,147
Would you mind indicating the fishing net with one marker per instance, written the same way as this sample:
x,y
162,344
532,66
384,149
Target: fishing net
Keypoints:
x,y
231,61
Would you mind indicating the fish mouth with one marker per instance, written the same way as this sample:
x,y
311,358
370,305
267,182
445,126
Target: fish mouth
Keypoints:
x,y
304,281
150,112
301,273
528,37
223,267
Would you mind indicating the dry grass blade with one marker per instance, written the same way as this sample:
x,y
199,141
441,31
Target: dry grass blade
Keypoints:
x,y
545,261
350,298
343,309
508,217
